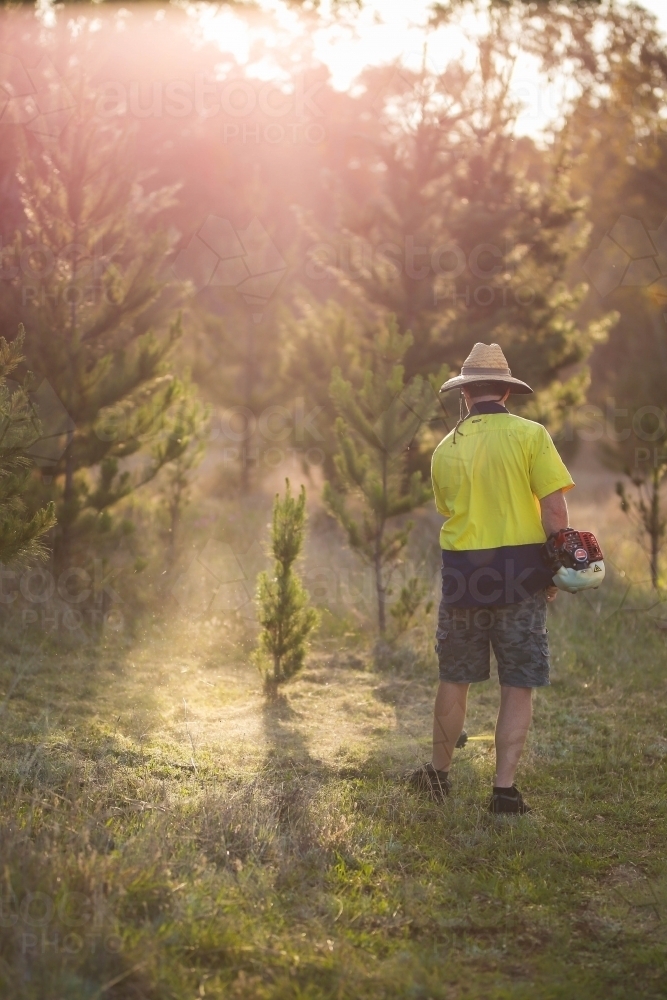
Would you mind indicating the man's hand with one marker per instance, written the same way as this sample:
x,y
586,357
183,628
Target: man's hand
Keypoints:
x,y
552,593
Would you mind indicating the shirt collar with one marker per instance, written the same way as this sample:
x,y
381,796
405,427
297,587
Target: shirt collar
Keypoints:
x,y
487,406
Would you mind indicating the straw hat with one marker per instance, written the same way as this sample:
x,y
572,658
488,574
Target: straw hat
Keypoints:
x,y
485,363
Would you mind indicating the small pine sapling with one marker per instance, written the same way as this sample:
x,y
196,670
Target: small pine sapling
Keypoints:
x,y
284,615
22,532
377,422
187,441
413,603
646,509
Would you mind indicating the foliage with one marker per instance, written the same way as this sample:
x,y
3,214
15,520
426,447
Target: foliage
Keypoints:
x,y
21,533
631,368
236,361
376,425
318,338
458,228
284,615
622,150
190,424
416,157
646,508
91,289
412,599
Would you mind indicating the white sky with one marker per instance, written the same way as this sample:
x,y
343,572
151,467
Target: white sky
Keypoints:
x,y
659,8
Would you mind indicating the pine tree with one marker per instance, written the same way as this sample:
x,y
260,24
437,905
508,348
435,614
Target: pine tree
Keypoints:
x,y
190,423
462,231
88,280
622,158
284,615
377,423
21,533
647,509
318,338
236,361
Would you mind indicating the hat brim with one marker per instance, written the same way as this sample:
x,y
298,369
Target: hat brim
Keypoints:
x,y
515,384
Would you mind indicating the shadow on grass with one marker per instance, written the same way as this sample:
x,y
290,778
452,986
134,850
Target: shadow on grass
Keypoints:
x,y
282,734
67,765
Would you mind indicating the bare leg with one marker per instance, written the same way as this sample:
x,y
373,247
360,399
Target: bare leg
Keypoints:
x,y
516,711
449,715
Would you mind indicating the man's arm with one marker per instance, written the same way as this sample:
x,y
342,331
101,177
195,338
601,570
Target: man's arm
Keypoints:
x,y
554,512
554,517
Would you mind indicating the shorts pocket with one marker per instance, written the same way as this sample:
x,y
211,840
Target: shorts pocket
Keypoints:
x,y
540,648
440,638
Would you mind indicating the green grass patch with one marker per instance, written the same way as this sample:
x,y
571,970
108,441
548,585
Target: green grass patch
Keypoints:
x,y
155,845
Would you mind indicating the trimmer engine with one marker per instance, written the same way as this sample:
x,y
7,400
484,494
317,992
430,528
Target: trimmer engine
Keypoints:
x,y
575,558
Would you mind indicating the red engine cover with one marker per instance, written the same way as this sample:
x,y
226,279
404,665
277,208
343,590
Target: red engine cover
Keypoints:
x,y
569,547
590,543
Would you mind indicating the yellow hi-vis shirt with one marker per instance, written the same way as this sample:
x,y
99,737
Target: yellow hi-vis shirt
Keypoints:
x,y
489,481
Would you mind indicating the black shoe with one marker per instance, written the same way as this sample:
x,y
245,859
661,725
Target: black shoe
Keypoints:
x,y
427,779
462,740
508,800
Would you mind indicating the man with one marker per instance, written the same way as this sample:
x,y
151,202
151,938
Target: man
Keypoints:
x,y
499,482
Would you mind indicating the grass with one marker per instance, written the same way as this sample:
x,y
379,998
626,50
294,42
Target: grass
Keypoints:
x,y
167,833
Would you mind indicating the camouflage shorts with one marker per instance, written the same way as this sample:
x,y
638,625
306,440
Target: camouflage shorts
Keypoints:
x,y
517,633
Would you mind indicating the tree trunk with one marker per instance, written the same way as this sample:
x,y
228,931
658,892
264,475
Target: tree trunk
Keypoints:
x,y
381,595
655,529
68,489
248,378
174,520
64,544
380,587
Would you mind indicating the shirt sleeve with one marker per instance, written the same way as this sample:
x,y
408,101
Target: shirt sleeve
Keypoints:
x,y
548,472
440,504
